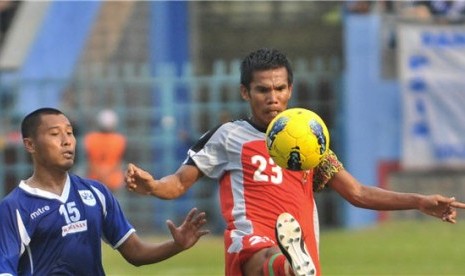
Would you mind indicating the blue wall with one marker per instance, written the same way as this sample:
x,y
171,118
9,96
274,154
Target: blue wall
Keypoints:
x,y
169,44
371,115
56,50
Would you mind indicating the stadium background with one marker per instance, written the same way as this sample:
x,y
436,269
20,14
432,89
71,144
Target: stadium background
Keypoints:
x,y
171,68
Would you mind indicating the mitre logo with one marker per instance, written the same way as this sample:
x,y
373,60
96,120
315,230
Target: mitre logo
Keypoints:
x,y
40,211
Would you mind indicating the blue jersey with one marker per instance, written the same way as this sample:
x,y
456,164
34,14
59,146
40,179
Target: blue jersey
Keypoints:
x,y
42,233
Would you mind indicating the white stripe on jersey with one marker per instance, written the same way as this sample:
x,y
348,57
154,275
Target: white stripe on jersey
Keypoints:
x,y
214,159
25,239
316,226
101,197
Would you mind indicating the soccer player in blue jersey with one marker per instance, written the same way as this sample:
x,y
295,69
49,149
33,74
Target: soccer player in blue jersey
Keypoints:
x,y
53,222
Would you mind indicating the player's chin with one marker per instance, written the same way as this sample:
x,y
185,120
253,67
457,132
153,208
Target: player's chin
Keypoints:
x,y
67,165
268,117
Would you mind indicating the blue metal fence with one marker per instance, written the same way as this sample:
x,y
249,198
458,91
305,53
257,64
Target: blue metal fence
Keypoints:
x,y
160,122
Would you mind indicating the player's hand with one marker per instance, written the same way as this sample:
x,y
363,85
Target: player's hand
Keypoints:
x,y
441,207
137,180
189,232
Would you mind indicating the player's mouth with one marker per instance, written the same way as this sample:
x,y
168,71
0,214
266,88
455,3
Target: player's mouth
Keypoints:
x,y
273,113
68,154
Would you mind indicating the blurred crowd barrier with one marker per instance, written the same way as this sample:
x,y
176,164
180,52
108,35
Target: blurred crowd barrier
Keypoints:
x,y
162,111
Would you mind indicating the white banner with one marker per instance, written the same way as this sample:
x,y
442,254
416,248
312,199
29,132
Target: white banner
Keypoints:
x,y
432,77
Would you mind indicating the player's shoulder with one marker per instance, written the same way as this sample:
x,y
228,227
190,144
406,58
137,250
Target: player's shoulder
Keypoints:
x,y
219,132
231,126
87,183
16,200
13,198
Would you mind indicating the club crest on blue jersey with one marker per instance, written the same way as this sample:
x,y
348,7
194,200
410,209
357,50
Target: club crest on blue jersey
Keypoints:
x,y
88,197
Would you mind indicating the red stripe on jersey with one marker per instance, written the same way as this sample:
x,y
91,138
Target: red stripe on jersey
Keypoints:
x,y
264,191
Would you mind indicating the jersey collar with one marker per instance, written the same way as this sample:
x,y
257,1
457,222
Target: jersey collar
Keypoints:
x,y
261,129
45,194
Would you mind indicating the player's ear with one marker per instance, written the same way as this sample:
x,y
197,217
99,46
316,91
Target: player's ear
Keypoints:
x,y
291,86
29,145
245,93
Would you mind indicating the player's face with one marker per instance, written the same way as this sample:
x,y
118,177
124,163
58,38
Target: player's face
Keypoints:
x,y
54,144
268,95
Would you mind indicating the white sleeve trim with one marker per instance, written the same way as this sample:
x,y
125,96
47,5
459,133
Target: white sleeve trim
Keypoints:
x,y
123,239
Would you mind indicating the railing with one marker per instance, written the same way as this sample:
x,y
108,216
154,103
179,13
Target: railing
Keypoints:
x,y
161,113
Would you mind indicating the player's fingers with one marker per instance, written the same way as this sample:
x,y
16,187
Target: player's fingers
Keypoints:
x,y
203,233
128,177
444,200
449,215
201,219
190,216
171,226
449,219
457,204
130,168
451,201
134,172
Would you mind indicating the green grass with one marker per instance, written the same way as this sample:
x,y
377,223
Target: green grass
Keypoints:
x,y
205,258
407,248
401,248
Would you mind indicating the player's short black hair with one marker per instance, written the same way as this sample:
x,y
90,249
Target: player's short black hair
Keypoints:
x,y
31,121
264,59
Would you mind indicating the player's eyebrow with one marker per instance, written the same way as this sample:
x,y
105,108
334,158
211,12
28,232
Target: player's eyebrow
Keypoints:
x,y
282,86
57,127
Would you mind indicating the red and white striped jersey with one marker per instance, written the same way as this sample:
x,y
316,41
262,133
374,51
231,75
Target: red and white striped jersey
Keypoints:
x,y
254,191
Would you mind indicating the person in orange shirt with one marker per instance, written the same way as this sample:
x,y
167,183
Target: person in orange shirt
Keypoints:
x,y
105,149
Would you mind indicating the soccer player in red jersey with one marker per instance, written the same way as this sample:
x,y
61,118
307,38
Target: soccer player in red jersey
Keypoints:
x,y
270,213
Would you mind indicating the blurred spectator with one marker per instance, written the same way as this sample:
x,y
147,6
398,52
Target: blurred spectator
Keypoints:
x,y
450,9
438,11
358,6
10,145
105,150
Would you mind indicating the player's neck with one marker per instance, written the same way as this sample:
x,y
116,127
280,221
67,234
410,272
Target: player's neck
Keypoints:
x,y
48,182
257,125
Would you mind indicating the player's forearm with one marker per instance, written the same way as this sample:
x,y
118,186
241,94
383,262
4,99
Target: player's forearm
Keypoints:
x,y
379,199
154,253
168,187
370,197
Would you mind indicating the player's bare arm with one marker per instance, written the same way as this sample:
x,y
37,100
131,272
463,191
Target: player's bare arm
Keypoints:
x,y
138,252
168,187
379,199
